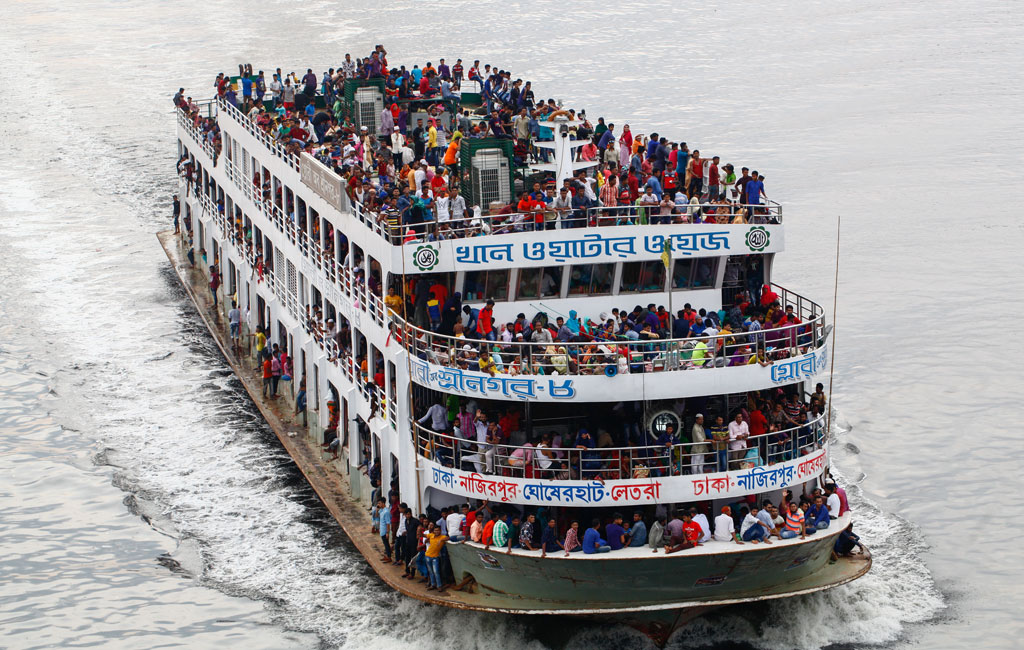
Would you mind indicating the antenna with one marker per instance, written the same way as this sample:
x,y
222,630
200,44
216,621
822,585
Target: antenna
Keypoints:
x,y
835,303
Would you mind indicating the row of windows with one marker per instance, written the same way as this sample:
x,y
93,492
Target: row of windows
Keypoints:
x,y
589,280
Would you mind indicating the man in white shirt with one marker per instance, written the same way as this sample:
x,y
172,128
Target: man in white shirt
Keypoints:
x,y
420,175
562,205
701,520
484,458
764,514
454,523
752,529
438,416
738,434
457,207
832,502
443,205
725,528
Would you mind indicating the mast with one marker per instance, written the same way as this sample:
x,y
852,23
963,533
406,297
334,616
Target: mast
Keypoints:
x,y
564,165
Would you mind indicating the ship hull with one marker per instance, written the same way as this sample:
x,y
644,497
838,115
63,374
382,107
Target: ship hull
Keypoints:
x,y
644,580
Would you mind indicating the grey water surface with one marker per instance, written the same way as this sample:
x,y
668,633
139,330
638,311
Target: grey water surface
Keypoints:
x,y
143,504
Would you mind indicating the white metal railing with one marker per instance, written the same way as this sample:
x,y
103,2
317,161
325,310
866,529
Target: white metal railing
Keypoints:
x,y
275,147
582,462
611,354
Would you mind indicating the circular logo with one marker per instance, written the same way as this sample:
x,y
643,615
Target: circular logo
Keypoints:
x,y
425,257
758,238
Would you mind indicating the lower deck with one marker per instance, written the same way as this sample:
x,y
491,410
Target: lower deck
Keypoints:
x,y
338,490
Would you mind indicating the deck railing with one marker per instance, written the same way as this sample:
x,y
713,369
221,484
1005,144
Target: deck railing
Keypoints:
x,y
566,461
599,356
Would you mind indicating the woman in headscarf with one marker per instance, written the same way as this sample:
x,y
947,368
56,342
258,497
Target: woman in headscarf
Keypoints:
x,y
625,146
450,314
573,323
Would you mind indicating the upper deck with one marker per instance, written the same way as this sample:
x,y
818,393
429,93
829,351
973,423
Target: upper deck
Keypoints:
x,y
598,233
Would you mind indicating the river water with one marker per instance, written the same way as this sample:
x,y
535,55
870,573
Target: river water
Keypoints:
x,y
144,504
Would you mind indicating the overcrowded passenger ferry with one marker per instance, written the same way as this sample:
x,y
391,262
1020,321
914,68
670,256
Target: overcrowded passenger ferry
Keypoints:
x,y
532,362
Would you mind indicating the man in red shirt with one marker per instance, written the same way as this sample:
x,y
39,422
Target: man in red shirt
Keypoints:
x,y
484,322
634,186
696,174
268,375
439,292
488,536
714,186
687,537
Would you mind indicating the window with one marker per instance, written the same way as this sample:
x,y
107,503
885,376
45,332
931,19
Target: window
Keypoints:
x,y
704,271
591,279
543,282
682,271
481,285
642,277
695,274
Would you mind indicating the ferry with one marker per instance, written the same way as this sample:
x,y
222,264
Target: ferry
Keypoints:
x,y
505,358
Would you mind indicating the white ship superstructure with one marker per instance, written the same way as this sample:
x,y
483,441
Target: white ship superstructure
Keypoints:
x,y
312,267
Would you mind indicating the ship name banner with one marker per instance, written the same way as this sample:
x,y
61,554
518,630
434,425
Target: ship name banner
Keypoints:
x,y
799,368
674,489
595,245
322,180
477,384
673,383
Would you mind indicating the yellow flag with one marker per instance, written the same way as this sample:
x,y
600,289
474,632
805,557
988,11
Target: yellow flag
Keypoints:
x,y
666,254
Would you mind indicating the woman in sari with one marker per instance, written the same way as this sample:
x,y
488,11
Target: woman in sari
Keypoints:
x,y
625,146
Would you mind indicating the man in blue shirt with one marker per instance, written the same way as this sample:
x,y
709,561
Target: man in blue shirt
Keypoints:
x,y
655,185
682,160
246,91
638,533
592,542
616,533
755,187
652,145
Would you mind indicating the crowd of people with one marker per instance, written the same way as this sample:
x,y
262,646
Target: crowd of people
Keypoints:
x,y
643,339
406,173
418,543
494,437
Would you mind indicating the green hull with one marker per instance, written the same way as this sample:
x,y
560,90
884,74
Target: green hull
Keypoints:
x,y
638,579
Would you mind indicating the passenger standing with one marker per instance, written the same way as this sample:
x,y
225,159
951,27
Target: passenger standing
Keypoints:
x,y
235,326
384,527
435,543
214,284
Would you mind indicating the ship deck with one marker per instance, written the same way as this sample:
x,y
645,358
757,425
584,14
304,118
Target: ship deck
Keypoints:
x,y
328,481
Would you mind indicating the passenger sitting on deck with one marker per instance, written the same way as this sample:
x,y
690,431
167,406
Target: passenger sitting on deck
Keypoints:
x,y
753,529
616,533
681,534
846,541
817,515
592,540
725,527
795,523
572,542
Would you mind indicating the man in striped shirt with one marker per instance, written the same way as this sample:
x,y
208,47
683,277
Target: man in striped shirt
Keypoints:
x,y
795,524
499,535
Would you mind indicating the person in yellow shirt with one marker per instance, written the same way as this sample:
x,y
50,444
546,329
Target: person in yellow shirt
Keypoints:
x,y
700,350
432,148
487,364
410,178
393,302
435,542
260,342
